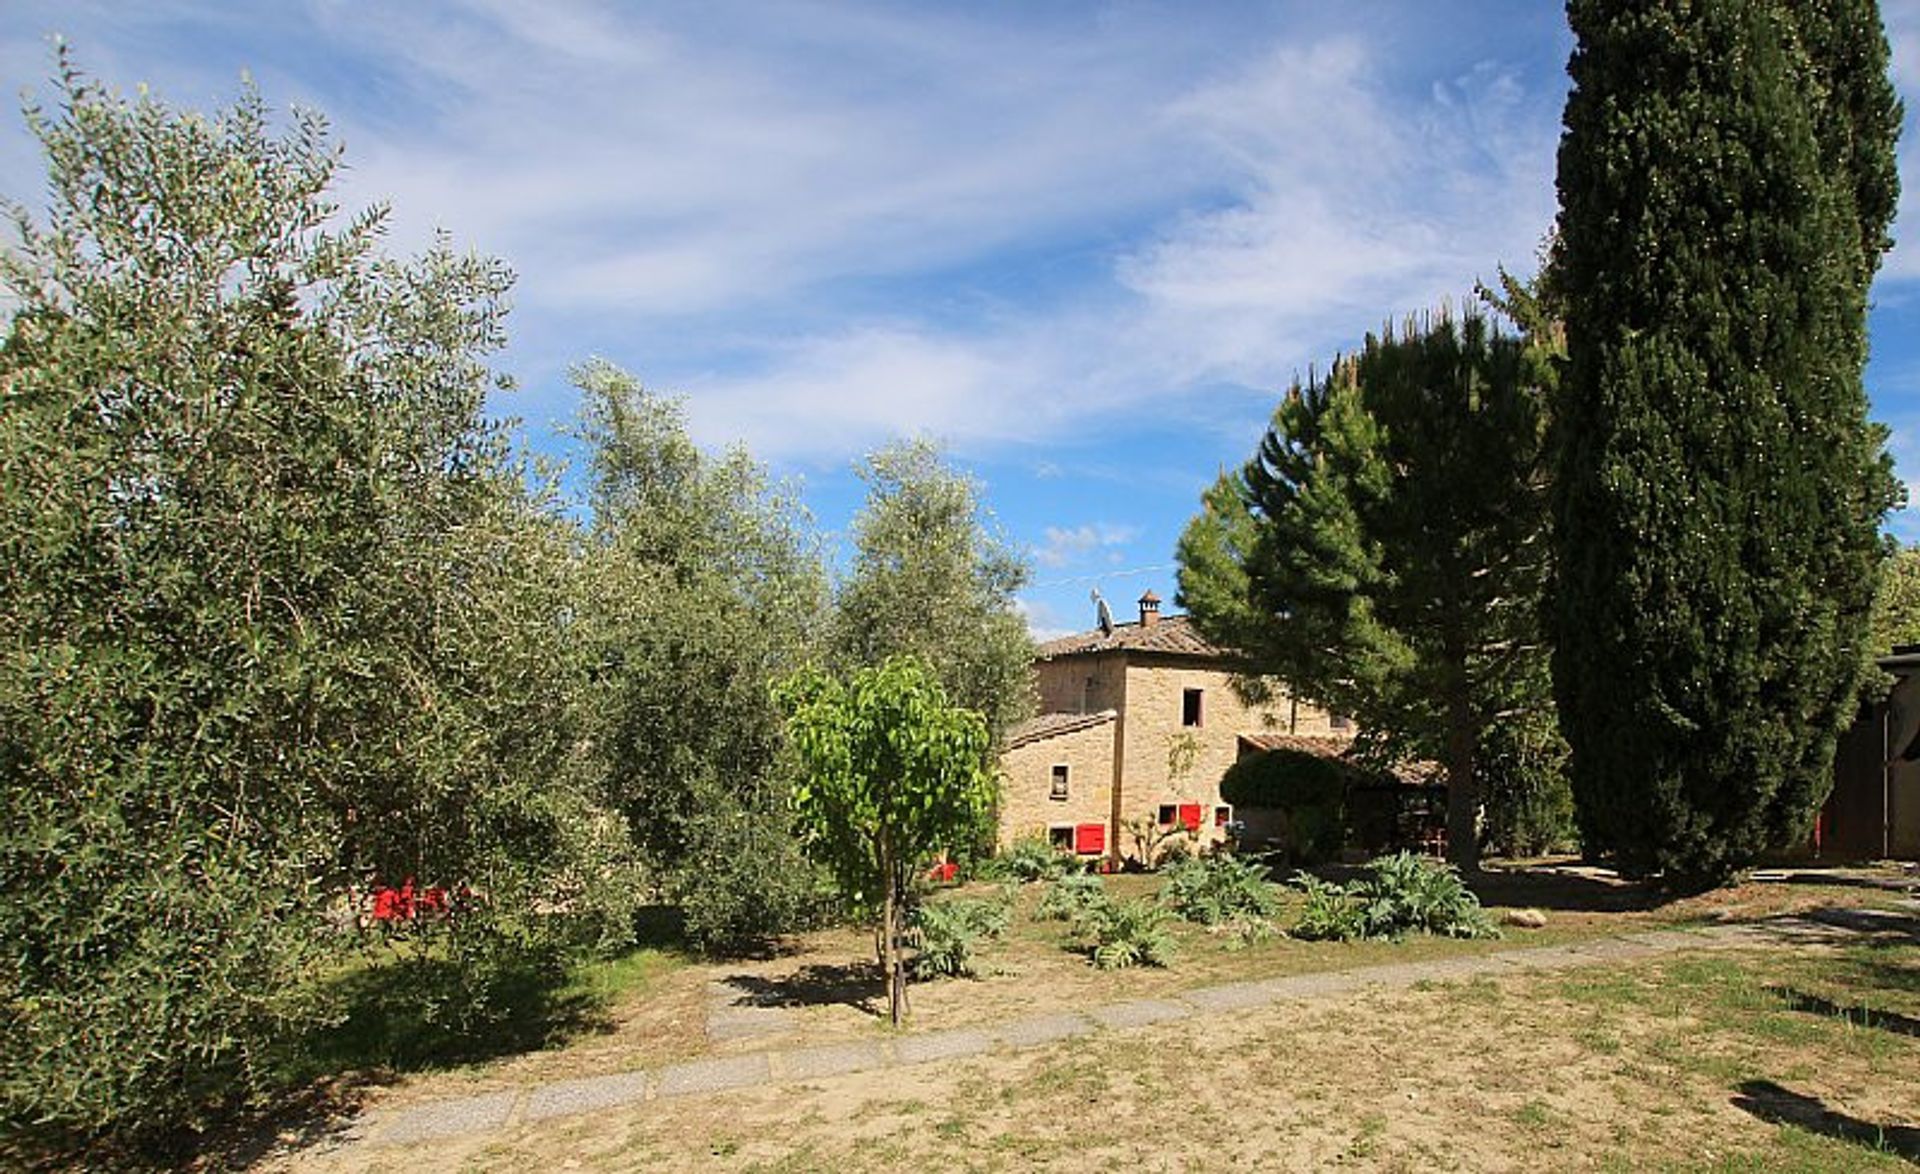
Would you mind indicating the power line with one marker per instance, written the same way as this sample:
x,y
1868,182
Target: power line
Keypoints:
x,y
1104,575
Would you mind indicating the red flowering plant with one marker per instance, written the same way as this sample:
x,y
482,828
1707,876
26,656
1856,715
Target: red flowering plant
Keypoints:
x,y
406,905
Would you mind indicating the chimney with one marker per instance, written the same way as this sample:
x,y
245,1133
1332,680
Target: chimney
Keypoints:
x,y
1149,609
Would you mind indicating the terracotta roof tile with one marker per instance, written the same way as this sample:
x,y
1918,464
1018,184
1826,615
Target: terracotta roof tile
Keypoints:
x,y
1052,725
1171,634
1319,745
1417,772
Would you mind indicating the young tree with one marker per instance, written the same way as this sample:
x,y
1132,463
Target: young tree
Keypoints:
x,y
929,580
1726,181
703,585
891,772
1384,553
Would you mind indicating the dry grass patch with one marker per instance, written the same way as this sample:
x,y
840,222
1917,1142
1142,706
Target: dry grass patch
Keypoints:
x,y
1782,1059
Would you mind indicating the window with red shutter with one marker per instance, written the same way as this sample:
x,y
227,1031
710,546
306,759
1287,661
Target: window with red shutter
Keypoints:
x,y
1090,839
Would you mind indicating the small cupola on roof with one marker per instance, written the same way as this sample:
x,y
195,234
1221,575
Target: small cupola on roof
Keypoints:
x,y
1149,609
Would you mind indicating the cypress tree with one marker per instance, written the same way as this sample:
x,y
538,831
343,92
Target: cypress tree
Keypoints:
x,y
1726,181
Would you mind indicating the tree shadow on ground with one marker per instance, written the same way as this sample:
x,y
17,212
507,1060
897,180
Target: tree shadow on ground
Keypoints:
x,y
1782,1106
1857,1014
397,1019
1839,880
1884,927
855,985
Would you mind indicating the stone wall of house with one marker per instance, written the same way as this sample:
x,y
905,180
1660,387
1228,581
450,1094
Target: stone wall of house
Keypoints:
x,y
1081,684
1027,806
1152,724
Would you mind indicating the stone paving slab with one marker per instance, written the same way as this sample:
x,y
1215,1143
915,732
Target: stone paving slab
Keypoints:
x,y
586,1094
1549,958
1668,939
941,1045
829,1060
1042,1029
677,1080
430,1122
1233,996
1311,986
1140,1013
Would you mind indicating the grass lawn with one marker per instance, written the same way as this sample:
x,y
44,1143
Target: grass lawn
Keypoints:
x,y
1799,1060
1618,1065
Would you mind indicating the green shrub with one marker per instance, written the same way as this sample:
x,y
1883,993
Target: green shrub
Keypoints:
x,y
1217,889
1128,933
1529,800
1071,898
1031,859
1328,913
948,932
742,878
1401,894
1307,789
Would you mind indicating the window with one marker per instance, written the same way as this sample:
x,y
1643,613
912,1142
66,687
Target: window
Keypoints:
x,y
1059,781
1061,836
1339,721
1222,816
1190,707
1166,814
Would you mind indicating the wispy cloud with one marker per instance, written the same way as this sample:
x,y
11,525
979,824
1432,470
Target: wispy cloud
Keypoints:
x,y
1067,545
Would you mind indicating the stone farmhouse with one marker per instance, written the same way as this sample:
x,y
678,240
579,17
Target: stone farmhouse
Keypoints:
x,y
1138,722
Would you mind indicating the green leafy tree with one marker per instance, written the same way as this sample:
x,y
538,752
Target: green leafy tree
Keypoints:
x,y
273,595
703,585
1896,605
1384,553
1726,182
929,579
890,773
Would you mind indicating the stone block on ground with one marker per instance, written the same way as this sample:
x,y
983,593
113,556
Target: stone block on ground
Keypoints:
x,y
941,1045
586,1094
696,1076
829,1060
445,1119
1042,1029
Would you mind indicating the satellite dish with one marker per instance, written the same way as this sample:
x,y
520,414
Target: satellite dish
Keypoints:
x,y
1103,612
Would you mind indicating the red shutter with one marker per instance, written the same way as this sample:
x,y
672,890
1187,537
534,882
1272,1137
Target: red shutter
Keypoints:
x,y
1190,816
1090,839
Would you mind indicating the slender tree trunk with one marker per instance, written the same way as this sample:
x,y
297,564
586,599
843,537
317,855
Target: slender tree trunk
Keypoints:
x,y
1463,783
890,931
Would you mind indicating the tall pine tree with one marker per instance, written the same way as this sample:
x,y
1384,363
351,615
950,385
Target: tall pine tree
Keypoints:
x,y
1384,555
1726,182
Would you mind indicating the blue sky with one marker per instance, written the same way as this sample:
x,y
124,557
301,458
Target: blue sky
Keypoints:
x,y
1085,245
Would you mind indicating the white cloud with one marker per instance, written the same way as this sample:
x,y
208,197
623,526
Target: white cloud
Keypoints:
x,y
727,198
1066,545
1044,621
1344,209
